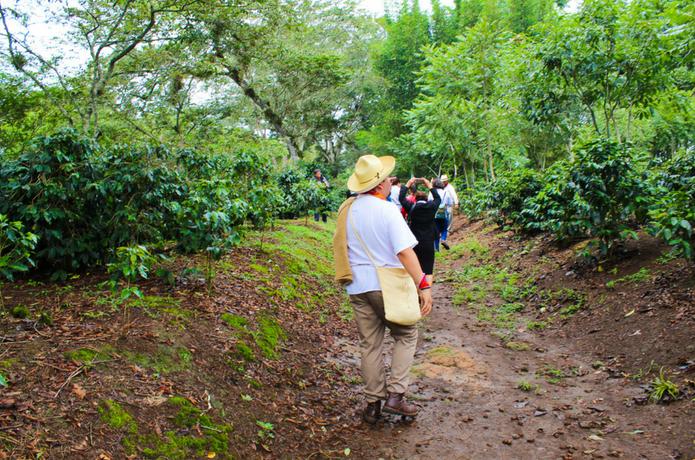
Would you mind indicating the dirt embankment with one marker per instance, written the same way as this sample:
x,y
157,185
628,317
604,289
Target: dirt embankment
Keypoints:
x,y
234,371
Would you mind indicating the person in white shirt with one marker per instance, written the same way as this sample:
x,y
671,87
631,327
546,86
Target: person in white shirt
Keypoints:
x,y
395,192
387,236
451,192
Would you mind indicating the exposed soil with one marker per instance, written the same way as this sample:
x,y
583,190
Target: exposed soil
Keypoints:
x,y
179,346
587,371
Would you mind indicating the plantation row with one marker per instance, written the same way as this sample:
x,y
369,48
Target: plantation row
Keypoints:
x,y
68,204
604,191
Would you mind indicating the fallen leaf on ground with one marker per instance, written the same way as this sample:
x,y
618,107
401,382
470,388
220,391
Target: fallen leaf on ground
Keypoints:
x,y
78,391
593,437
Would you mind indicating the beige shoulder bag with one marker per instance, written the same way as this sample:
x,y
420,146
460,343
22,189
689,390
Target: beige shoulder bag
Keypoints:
x,y
401,302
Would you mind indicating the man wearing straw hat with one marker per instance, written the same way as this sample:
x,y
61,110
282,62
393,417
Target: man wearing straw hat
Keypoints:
x,y
390,243
454,203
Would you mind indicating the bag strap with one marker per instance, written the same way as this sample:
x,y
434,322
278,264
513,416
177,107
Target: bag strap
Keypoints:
x,y
359,238
410,214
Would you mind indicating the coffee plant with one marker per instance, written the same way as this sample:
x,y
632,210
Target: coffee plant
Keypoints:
x,y
672,211
509,192
15,250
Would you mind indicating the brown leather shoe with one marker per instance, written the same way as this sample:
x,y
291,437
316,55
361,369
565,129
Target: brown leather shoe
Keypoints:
x,y
396,404
372,412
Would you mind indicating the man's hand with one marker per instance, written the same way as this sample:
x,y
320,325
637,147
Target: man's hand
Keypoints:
x,y
425,302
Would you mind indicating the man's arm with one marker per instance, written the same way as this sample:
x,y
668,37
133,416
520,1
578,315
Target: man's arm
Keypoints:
x,y
412,266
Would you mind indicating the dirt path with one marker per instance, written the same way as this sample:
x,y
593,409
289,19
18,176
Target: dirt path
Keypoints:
x,y
467,383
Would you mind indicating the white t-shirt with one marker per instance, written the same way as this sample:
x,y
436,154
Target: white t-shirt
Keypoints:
x,y
385,233
452,193
447,200
395,191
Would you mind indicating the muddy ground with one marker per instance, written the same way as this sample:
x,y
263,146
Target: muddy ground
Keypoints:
x,y
529,353
490,387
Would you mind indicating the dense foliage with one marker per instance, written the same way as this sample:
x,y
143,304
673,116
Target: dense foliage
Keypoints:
x,y
190,120
84,202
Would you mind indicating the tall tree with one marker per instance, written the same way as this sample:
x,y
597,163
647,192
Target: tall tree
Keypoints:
x,y
105,32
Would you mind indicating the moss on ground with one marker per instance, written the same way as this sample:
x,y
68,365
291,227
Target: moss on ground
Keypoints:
x,y
155,306
179,444
90,355
244,351
20,312
113,415
517,346
440,351
164,361
269,336
638,277
236,322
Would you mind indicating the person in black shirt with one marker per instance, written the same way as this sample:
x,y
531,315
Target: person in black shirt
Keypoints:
x,y
421,222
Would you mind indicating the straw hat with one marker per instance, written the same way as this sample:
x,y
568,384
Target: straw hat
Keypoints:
x,y
370,171
444,178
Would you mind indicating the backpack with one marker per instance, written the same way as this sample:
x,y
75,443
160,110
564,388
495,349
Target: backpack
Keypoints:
x,y
441,211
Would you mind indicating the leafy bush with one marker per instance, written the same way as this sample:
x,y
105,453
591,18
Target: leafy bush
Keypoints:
x,y
672,210
476,201
509,192
593,196
84,201
50,188
301,195
129,264
15,248
552,208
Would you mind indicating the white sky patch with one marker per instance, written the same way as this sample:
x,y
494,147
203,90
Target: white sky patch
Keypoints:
x,y
376,7
49,37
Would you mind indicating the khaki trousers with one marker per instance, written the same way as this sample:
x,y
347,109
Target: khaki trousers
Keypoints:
x,y
369,315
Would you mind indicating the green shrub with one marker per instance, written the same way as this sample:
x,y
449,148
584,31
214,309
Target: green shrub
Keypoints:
x,y
672,209
16,246
509,192
552,208
476,201
300,194
594,195
84,201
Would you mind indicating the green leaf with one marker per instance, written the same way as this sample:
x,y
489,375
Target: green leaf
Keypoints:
x,y
3,381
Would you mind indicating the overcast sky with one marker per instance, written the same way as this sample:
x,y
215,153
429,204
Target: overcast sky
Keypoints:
x,y
47,37
377,6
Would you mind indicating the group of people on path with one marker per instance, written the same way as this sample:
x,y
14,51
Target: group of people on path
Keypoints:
x,y
429,215
371,234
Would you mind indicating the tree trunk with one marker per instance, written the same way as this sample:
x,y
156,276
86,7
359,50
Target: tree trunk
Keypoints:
x,y
465,175
268,113
491,161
